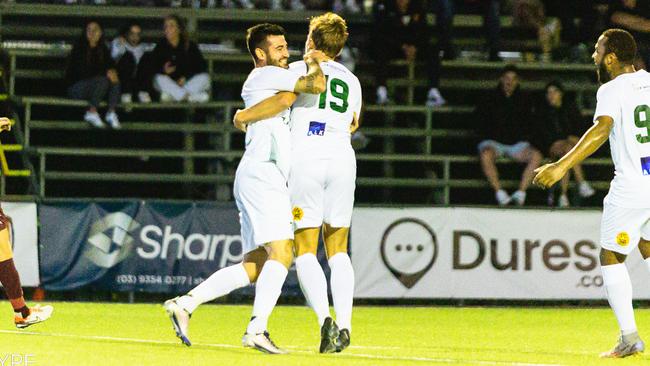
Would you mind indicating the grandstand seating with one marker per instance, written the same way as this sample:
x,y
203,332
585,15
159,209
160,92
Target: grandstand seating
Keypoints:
x,y
416,154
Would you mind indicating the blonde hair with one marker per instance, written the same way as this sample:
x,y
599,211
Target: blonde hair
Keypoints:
x,y
329,32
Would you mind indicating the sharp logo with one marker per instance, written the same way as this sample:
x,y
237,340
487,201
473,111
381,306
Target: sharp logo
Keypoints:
x,y
118,236
109,241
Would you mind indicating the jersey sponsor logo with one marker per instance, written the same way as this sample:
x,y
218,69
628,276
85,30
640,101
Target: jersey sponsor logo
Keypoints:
x,y
622,239
645,165
297,213
316,129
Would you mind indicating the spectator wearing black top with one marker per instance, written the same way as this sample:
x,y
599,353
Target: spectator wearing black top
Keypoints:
x,y
401,32
505,128
633,16
91,75
181,70
559,123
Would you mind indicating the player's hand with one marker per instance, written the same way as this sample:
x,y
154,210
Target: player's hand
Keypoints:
x,y
354,126
111,74
238,123
5,124
169,68
548,174
314,55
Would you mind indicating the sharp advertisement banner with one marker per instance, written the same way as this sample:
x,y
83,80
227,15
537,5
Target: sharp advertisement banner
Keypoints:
x,y
24,236
136,246
481,253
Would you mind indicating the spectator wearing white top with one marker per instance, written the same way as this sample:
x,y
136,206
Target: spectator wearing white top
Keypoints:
x,y
128,52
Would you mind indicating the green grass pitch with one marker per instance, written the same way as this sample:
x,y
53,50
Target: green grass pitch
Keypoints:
x,y
121,334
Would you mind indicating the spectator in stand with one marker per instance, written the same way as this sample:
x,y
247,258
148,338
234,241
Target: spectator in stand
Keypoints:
x,y
633,16
129,54
180,69
401,32
532,14
505,128
559,123
91,75
445,11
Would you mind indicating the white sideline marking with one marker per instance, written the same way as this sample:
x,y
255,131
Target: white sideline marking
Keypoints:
x,y
295,349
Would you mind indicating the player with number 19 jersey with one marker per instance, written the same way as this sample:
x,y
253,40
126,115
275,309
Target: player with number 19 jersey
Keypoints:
x,y
626,214
323,170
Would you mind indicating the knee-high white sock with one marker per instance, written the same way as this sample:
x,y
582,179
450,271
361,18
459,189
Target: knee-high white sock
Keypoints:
x,y
619,293
314,285
342,282
267,292
220,283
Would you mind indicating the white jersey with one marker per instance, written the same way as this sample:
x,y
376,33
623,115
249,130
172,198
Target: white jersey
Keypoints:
x,y
269,139
320,123
626,99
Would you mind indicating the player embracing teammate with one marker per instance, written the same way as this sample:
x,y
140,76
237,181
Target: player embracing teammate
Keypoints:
x,y
322,178
315,156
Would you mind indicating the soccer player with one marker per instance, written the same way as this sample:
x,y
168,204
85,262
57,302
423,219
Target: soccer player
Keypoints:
x,y
23,316
623,115
322,179
261,192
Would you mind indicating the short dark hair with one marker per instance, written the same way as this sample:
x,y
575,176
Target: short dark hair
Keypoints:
x,y
510,68
621,43
256,36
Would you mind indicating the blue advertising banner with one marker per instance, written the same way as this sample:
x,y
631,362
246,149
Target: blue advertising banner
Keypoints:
x,y
138,246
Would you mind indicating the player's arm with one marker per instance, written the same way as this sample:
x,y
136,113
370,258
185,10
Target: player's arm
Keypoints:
x,y
5,124
314,81
593,139
267,108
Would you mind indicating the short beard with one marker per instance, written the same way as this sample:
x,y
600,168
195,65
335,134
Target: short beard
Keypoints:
x,y
603,75
278,63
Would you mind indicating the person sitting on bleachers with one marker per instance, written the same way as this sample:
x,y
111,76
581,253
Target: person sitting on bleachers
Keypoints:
x,y
559,123
504,127
401,32
130,56
633,16
91,75
181,71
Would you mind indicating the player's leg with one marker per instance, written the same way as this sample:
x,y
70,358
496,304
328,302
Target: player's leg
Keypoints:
x,y
10,280
306,187
620,234
267,291
339,202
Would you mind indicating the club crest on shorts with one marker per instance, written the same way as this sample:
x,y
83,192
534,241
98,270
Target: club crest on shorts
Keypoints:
x,y
298,213
622,239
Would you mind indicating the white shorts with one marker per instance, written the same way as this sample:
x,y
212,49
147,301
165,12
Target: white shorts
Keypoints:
x,y
322,191
621,228
262,198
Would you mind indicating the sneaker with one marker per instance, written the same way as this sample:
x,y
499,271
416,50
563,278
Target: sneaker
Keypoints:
x,y
37,314
585,190
434,98
563,201
126,98
201,97
180,320
94,119
502,197
344,340
628,345
144,97
329,336
113,120
519,198
382,95
261,342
